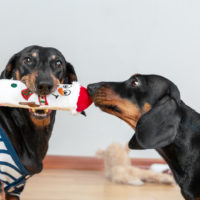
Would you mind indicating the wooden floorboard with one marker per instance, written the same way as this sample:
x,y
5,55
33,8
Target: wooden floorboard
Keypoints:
x,y
62,184
90,163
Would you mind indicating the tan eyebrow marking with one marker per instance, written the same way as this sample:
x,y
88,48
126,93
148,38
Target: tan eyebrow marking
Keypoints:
x,y
136,74
34,54
53,57
146,107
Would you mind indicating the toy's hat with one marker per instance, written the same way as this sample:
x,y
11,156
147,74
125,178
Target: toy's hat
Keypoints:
x,y
84,100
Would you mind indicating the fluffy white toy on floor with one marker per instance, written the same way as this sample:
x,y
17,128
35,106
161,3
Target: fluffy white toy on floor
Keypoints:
x,y
72,97
118,168
159,167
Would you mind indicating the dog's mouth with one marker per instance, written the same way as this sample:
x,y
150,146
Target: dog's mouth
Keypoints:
x,y
105,102
35,113
124,114
40,114
108,107
115,105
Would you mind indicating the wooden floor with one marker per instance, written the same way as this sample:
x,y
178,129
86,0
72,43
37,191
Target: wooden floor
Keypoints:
x,y
91,185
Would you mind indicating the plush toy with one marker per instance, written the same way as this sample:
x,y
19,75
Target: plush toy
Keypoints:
x,y
164,168
72,97
118,168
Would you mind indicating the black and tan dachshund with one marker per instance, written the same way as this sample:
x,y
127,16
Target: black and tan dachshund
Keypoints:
x,y
151,105
41,69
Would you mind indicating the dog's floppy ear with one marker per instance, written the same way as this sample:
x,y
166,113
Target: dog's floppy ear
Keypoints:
x,y
8,71
70,74
158,127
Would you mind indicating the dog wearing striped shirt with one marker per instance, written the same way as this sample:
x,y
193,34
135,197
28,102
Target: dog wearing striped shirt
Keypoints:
x,y
24,134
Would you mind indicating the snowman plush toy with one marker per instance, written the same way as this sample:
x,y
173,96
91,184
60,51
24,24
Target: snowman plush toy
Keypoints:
x,y
72,97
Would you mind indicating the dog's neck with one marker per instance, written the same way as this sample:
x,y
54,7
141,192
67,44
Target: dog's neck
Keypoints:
x,y
183,155
29,140
182,169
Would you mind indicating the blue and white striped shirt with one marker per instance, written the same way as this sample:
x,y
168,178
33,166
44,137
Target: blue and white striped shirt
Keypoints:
x,y
12,172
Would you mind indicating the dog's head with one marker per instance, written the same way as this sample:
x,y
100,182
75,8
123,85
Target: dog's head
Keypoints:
x,y
148,103
41,69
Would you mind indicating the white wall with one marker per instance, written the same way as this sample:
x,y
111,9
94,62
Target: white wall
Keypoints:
x,y
107,40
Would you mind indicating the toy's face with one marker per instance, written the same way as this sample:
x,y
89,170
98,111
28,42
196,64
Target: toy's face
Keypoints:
x,y
41,69
64,90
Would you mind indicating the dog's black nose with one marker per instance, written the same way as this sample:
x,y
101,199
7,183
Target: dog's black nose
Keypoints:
x,y
44,87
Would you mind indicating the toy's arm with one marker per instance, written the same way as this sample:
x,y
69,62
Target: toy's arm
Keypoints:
x,y
29,104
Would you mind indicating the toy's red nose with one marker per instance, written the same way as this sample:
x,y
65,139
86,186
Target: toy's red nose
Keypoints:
x,y
84,100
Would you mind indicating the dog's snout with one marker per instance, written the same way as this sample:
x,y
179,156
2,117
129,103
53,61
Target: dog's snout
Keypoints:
x,y
92,88
44,87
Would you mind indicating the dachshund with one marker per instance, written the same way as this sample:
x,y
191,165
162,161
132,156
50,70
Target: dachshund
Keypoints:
x,y
152,106
26,132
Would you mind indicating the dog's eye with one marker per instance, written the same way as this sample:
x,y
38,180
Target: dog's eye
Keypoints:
x,y
28,60
58,64
134,82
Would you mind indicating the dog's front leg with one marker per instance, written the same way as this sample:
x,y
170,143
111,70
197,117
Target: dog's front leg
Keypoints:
x,y
2,193
11,197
